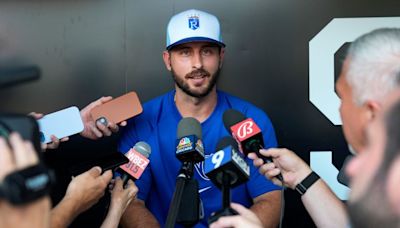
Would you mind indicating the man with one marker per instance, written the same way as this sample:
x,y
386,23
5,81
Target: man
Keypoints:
x,y
370,72
375,173
194,55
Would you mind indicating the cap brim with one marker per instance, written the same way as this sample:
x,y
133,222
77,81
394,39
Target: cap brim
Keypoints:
x,y
195,39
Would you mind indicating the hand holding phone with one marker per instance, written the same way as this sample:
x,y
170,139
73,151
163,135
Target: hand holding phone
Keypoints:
x,y
61,124
118,109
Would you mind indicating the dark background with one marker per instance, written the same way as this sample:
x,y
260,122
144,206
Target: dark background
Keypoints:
x,y
90,48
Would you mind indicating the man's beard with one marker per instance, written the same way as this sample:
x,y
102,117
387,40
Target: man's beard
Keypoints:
x,y
373,208
186,88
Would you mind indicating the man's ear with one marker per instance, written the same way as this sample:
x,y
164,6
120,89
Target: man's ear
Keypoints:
x,y
372,108
393,185
167,60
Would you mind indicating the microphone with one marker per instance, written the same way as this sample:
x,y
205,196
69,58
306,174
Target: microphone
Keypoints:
x,y
189,141
12,76
138,161
226,169
247,134
227,161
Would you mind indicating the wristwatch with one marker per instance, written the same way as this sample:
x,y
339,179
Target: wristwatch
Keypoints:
x,y
305,184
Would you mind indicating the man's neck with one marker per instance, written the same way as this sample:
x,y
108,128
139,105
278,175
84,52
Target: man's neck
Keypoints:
x,y
199,108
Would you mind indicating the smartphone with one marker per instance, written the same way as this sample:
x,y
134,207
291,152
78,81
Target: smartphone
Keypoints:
x,y
118,109
25,125
63,123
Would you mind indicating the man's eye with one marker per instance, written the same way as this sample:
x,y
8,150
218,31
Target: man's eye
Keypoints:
x,y
207,51
185,52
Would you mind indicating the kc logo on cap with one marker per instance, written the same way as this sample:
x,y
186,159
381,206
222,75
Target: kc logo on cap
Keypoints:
x,y
193,26
194,22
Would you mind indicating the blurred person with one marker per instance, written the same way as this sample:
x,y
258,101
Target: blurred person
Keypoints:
x,y
20,156
374,177
370,72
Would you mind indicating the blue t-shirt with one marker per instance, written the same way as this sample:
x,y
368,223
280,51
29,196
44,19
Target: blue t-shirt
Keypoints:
x,y
157,126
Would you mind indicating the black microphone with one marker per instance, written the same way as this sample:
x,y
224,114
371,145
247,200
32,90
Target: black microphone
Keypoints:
x,y
227,160
226,169
138,161
12,76
247,134
189,141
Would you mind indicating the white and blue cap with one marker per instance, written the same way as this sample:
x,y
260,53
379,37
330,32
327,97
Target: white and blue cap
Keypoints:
x,y
193,25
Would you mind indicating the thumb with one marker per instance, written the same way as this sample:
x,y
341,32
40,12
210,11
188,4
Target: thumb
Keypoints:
x,y
95,171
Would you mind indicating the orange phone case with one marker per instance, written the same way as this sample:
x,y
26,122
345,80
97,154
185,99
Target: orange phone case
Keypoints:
x,y
118,109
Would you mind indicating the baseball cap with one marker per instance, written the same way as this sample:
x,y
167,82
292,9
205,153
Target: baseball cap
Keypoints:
x,y
193,25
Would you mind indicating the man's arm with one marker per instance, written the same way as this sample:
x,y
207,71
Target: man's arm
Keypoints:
x,y
83,192
267,207
320,202
324,207
137,215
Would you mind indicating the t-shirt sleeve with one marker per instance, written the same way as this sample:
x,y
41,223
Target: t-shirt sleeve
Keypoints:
x,y
137,130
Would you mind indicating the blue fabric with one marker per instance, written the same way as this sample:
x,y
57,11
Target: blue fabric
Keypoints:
x,y
157,126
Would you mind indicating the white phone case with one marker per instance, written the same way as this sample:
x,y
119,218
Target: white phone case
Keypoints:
x,y
63,123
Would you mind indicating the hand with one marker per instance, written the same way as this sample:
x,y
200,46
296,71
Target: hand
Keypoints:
x,y
246,218
120,199
286,162
55,142
86,189
22,155
94,129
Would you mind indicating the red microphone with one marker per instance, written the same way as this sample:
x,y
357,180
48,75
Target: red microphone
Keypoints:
x,y
247,134
138,161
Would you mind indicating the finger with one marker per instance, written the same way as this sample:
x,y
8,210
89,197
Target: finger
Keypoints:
x,y
104,129
113,127
132,189
106,176
104,99
64,139
266,167
36,115
272,173
96,131
55,142
20,151
6,158
241,209
272,152
252,156
123,123
258,162
95,171
227,221
118,184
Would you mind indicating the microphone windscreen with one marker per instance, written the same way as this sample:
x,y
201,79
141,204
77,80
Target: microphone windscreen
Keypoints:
x,y
232,117
225,142
143,148
189,126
